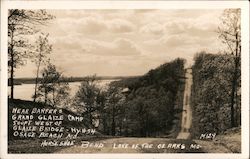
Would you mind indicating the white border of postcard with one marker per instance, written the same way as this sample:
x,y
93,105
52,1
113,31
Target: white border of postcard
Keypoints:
x,y
244,5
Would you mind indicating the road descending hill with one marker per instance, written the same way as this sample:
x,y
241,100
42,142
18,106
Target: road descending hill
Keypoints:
x,y
224,143
187,113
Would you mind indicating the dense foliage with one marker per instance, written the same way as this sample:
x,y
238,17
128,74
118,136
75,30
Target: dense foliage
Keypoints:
x,y
152,100
144,106
211,93
51,89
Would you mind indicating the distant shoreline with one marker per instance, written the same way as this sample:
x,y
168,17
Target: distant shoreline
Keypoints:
x,y
29,80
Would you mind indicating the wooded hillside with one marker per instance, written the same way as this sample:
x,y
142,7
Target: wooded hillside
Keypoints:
x,y
211,93
154,101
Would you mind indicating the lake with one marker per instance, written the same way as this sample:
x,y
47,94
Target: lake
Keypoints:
x,y
25,91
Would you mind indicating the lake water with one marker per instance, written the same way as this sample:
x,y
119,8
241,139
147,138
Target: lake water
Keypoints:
x,y
25,91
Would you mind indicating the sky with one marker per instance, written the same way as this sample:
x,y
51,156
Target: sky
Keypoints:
x,y
126,42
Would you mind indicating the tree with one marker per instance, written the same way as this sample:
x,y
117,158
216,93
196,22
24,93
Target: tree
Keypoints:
x,y
230,34
42,49
211,92
20,24
86,99
53,89
102,111
115,100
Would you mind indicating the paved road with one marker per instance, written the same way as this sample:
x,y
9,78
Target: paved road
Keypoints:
x,y
186,120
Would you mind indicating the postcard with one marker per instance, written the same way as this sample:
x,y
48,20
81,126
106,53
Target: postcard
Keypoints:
x,y
124,79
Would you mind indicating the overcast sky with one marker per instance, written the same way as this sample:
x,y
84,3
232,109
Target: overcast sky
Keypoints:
x,y
126,42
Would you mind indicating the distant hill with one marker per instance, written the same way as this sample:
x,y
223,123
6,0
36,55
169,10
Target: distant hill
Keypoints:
x,y
154,76
19,81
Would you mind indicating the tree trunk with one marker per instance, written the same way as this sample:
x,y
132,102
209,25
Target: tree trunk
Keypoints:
x,y
12,66
53,96
37,74
12,77
104,126
237,109
90,115
38,68
45,96
234,81
113,122
233,99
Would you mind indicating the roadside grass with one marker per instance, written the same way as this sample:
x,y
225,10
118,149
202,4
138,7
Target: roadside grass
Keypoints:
x,y
34,145
187,149
29,146
231,139
227,142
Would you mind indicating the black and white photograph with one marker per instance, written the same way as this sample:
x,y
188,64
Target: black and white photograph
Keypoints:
x,y
124,81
